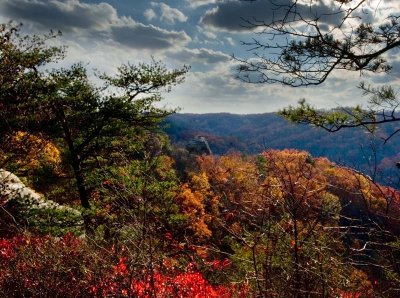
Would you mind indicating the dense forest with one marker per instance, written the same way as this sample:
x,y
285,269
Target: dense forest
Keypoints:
x,y
253,134
104,192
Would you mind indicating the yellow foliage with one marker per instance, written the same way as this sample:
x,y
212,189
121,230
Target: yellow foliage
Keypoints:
x,y
32,152
191,201
240,170
192,205
273,188
164,166
200,229
200,182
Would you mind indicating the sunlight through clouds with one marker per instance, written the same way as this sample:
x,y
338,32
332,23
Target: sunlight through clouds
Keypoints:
x,y
201,33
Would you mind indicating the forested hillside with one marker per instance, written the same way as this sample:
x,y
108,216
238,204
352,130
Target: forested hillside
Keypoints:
x,y
252,134
105,192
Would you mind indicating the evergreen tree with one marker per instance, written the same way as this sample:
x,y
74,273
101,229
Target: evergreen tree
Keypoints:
x,y
64,105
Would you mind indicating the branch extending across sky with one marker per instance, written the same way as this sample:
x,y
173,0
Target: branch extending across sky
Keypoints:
x,y
302,47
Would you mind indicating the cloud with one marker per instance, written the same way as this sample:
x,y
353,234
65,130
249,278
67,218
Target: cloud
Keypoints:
x,y
201,55
230,41
377,10
198,3
149,14
390,78
232,15
217,91
206,33
67,16
139,36
100,21
168,14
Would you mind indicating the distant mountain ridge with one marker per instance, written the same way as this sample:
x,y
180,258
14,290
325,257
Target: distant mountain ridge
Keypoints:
x,y
254,133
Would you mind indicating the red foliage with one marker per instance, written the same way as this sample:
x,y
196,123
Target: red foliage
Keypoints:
x,y
120,268
67,267
220,264
181,285
168,236
6,250
344,294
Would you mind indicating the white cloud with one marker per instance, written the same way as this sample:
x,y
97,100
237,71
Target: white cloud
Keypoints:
x,y
96,22
170,15
198,3
97,34
207,33
149,14
218,91
139,36
230,41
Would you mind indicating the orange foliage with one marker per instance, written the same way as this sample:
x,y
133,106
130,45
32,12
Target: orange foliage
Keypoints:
x,y
192,205
32,152
294,177
303,182
234,176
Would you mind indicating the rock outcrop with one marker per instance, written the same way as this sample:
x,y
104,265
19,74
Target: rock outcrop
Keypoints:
x,y
32,207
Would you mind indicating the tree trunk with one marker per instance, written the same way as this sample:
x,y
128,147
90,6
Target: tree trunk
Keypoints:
x,y
80,181
76,159
77,168
83,193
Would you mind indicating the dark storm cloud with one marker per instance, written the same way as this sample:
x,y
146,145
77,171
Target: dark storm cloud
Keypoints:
x,y
92,20
230,15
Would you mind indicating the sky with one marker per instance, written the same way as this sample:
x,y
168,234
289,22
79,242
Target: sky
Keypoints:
x,y
203,34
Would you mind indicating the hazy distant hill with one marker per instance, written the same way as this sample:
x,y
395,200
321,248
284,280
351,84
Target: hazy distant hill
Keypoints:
x,y
258,132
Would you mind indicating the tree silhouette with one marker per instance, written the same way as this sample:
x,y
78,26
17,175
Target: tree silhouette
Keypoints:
x,y
306,42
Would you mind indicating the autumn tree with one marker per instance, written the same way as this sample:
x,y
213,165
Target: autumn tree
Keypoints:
x,y
308,228
296,226
21,57
307,41
90,121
